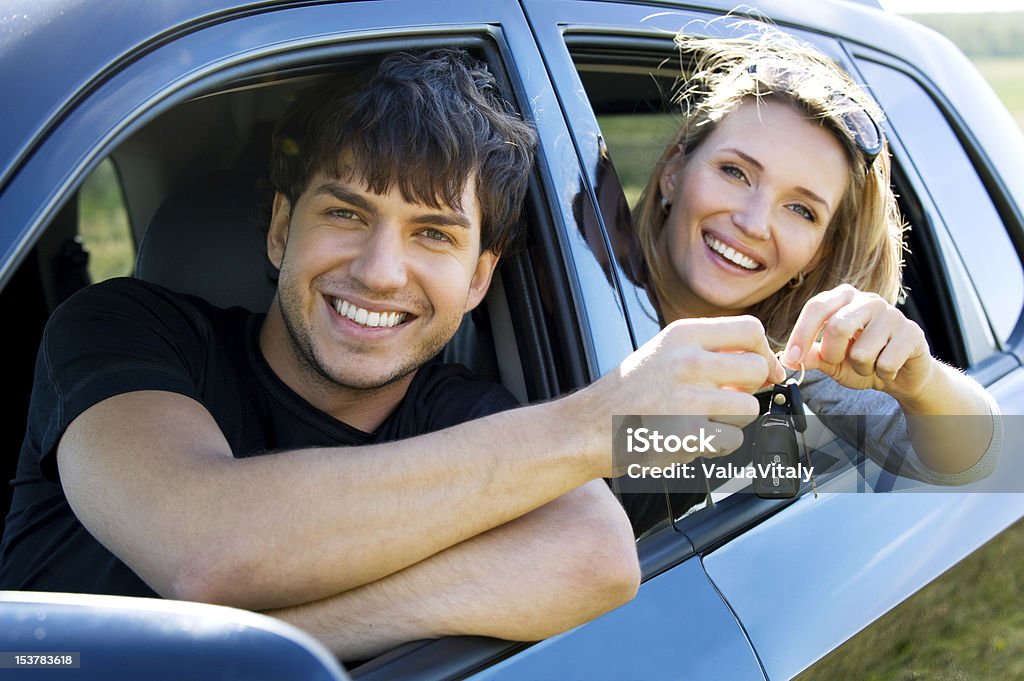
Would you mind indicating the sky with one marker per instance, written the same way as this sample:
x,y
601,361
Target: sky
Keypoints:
x,y
931,6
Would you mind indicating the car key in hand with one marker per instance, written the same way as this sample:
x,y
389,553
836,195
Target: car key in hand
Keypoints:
x,y
776,455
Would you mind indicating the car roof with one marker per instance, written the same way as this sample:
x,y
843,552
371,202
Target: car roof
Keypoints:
x,y
54,53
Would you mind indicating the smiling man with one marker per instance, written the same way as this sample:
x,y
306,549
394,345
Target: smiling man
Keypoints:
x,y
139,474
312,462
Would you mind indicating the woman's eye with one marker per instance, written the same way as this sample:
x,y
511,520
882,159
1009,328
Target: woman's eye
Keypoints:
x,y
804,212
734,171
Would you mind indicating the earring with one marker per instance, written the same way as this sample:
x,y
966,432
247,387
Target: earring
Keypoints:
x,y
665,204
798,280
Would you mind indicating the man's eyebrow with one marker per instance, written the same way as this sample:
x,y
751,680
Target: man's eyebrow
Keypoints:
x,y
800,190
343,194
450,218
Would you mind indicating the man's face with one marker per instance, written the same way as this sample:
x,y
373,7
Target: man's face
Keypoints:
x,y
371,286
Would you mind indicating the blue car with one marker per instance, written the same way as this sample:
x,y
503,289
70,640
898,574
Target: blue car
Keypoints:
x,y
176,100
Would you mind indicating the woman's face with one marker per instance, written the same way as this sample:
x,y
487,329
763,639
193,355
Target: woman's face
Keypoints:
x,y
749,208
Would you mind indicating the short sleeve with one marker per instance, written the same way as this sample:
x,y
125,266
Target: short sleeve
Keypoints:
x,y
115,337
444,395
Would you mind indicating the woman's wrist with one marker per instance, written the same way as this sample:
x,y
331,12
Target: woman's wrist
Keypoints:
x,y
927,395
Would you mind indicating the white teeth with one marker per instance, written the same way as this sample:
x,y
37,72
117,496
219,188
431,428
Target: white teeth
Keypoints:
x,y
730,253
367,318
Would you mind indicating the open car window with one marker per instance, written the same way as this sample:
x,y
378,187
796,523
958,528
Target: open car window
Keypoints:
x,y
628,87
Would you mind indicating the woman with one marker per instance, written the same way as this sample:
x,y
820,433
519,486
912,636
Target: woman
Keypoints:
x,y
774,199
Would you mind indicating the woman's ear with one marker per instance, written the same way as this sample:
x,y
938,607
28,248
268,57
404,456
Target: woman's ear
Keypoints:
x,y
670,173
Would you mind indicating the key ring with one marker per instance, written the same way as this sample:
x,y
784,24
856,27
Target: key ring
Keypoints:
x,y
803,372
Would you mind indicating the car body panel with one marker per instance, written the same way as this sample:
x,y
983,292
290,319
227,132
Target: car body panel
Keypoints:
x,y
781,576
676,628
121,637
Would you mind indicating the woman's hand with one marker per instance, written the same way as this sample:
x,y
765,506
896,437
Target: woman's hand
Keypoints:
x,y
865,343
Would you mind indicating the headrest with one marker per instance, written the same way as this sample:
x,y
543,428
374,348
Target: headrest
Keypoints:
x,y
209,240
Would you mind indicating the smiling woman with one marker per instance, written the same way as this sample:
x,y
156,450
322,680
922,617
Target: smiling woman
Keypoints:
x,y
774,199
748,214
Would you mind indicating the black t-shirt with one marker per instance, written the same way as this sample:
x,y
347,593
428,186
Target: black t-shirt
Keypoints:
x,y
126,335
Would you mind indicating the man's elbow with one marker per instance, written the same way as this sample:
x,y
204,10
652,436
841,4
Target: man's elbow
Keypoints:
x,y
614,572
605,573
205,578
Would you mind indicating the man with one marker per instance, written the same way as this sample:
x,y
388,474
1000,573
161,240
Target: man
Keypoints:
x,y
311,463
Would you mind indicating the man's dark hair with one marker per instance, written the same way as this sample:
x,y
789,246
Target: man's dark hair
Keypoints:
x,y
426,123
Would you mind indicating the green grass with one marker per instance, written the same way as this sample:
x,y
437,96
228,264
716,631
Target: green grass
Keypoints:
x,y
982,34
635,142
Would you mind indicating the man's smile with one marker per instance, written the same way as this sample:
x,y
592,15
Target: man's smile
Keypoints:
x,y
365,317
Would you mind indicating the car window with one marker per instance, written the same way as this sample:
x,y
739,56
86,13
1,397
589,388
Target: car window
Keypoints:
x,y
103,224
628,90
186,139
963,205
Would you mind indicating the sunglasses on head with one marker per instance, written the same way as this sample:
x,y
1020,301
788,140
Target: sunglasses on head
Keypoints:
x,y
866,134
865,131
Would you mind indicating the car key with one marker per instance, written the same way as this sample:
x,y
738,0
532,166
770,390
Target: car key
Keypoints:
x,y
776,452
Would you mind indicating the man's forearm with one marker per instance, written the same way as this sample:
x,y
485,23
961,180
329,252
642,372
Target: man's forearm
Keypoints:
x,y
536,576
292,527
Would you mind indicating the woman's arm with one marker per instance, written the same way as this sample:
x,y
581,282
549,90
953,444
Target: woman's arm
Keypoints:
x,y
863,342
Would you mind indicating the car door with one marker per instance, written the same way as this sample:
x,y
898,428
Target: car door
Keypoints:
x,y
800,577
144,101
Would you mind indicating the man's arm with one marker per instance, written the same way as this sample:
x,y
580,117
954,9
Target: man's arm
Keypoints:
x,y
544,573
152,477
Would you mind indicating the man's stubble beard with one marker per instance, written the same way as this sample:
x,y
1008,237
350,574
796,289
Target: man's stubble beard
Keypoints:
x,y
300,340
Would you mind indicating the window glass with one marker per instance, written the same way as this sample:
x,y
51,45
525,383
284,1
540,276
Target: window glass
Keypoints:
x,y
103,224
635,141
953,185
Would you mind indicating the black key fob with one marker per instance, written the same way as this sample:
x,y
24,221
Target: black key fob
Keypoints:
x,y
776,452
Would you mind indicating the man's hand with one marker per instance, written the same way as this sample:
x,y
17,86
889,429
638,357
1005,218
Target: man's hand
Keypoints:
x,y
705,368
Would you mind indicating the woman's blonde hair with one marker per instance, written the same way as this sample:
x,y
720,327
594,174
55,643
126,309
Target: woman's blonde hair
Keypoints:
x,y
863,243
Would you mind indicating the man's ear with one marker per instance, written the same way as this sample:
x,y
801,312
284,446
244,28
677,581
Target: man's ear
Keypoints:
x,y
277,235
481,281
